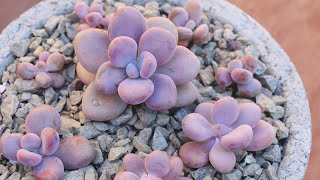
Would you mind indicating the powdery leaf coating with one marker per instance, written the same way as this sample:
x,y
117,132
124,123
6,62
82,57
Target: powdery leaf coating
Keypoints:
x,y
250,63
239,138
132,70
101,107
251,89
163,23
179,16
186,94
196,127
250,114
159,42
241,76
30,142
220,130
194,10
147,64
93,19
105,22
108,78
122,51
165,93
41,66
234,64
157,164
85,76
44,80
221,158
96,7
205,110
263,136
183,43
28,158
50,141
44,56
135,91
41,117
225,111
26,70
176,167
9,145
127,21
90,47
223,77
49,168
55,62
82,27
126,176
190,25
185,34
196,154
200,33
81,9
75,152
182,68
58,80
134,163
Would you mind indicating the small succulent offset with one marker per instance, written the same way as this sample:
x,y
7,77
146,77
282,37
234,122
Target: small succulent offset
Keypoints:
x,y
45,71
157,166
136,61
187,20
240,71
217,129
92,16
41,148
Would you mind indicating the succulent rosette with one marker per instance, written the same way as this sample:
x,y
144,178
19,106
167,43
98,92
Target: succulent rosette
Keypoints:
x,y
218,129
41,148
157,166
136,61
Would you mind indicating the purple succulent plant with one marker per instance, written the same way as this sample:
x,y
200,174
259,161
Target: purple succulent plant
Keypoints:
x,y
217,129
157,166
137,61
41,148
240,72
45,70
187,20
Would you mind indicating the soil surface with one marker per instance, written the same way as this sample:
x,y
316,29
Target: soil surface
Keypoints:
x,y
294,26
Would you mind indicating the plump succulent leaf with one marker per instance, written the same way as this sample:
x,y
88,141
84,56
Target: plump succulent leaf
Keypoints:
x,y
200,33
28,158
220,130
221,158
159,42
75,152
182,68
163,23
9,145
251,89
44,80
55,62
85,76
93,19
196,154
250,114
225,111
147,64
250,63
241,76
85,46
30,142
157,164
186,94
81,9
185,34
135,164
165,93
179,16
196,127
101,107
127,21
223,77
126,175
41,117
122,51
106,20
58,80
239,138
176,167
49,168
26,70
194,10
96,7
82,27
132,70
50,141
135,91
234,64
205,110
263,136
190,25
108,78
44,56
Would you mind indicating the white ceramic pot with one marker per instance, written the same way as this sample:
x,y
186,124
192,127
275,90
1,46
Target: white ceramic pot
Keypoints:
x,y
297,118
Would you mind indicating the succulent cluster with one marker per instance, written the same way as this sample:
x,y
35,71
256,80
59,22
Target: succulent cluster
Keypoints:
x,y
187,20
136,61
41,148
91,16
157,166
241,72
45,71
217,129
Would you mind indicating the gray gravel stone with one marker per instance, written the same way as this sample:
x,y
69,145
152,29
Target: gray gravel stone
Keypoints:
x,y
272,153
175,141
206,75
36,100
265,103
279,100
60,105
118,152
249,159
269,82
251,169
76,97
67,49
146,115
122,133
175,125
261,68
52,23
28,59
279,113
202,172
38,51
283,131
98,153
235,174
124,117
182,112
40,33
9,105
35,43
101,126
228,35
89,131
20,48
122,142
272,173
141,141
22,112
26,85
71,31
127,2
162,119
15,176
105,142
49,95
109,169
5,175
69,125
158,141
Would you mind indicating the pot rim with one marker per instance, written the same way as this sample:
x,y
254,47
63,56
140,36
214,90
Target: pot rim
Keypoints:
x,y
297,118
